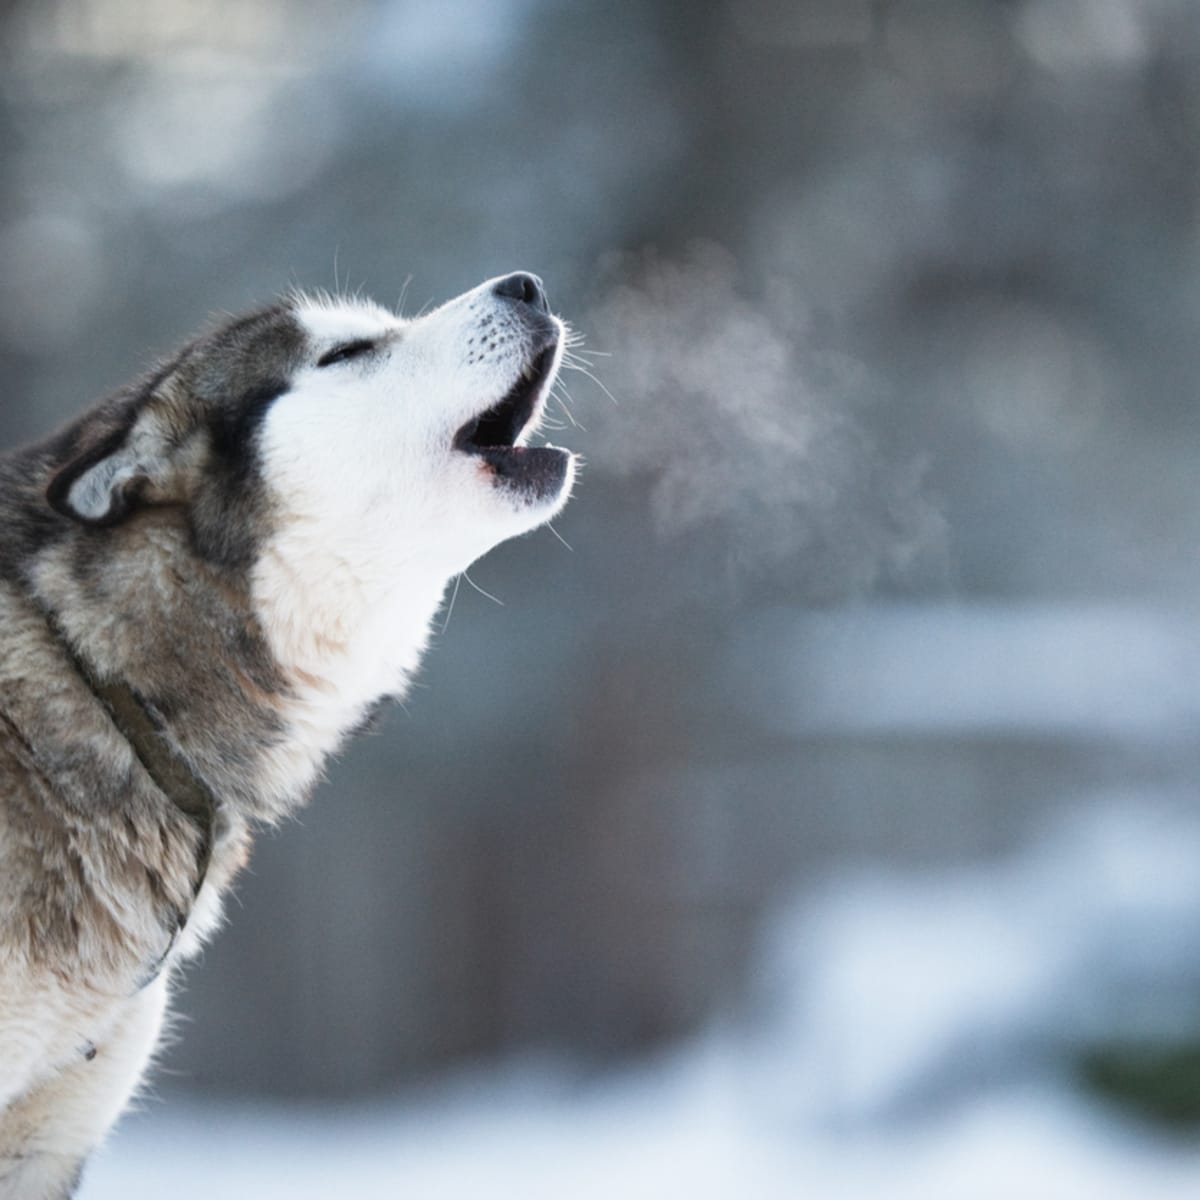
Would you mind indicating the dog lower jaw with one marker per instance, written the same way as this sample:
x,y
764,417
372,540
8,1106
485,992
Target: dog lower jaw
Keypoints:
x,y
534,474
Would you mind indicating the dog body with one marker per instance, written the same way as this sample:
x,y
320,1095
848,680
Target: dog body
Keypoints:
x,y
250,543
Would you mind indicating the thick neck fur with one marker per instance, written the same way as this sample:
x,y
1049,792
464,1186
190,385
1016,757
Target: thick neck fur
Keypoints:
x,y
256,677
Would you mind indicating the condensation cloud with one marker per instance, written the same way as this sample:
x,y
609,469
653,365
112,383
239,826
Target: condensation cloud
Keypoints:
x,y
744,431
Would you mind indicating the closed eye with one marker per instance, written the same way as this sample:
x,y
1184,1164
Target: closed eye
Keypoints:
x,y
345,352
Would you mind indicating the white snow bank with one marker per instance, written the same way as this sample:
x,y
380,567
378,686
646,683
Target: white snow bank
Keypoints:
x,y
908,1046
894,990
691,1131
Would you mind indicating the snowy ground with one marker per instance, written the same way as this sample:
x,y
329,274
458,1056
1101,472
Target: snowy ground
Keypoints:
x,y
909,1040
688,1130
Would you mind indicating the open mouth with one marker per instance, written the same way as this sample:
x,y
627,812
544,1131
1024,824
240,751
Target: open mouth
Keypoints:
x,y
535,471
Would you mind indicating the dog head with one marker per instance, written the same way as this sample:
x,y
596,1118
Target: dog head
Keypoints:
x,y
348,460
338,414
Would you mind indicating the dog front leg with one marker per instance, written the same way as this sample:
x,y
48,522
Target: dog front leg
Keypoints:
x,y
47,1134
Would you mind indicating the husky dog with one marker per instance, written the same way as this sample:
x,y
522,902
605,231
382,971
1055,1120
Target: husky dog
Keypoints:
x,y
205,582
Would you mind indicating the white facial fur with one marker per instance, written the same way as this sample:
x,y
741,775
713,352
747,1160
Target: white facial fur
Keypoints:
x,y
375,508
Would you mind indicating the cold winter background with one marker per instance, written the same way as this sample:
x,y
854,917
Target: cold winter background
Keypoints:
x,y
820,819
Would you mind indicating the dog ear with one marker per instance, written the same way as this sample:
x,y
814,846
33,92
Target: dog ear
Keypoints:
x,y
109,480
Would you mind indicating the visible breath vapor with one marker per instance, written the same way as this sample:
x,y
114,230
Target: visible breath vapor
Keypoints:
x,y
744,430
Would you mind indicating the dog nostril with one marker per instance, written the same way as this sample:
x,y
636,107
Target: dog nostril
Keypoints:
x,y
527,288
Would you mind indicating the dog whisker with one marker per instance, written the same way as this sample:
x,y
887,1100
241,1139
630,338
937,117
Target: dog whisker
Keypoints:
x,y
584,371
450,606
550,526
481,591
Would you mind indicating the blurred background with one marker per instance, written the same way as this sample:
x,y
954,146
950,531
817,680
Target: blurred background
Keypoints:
x,y
821,819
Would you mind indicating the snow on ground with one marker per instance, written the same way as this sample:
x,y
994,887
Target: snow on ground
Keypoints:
x,y
692,1132
908,1041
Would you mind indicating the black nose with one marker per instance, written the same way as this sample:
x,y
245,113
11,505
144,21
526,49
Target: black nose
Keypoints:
x,y
524,287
